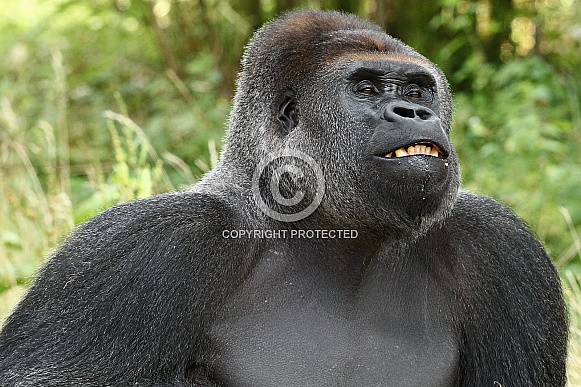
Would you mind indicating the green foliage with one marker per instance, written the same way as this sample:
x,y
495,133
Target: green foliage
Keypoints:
x,y
135,173
519,142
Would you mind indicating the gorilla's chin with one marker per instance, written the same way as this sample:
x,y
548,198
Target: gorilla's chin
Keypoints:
x,y
425,171
410,193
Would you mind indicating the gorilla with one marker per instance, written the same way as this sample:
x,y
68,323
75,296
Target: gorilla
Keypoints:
x,y
331,246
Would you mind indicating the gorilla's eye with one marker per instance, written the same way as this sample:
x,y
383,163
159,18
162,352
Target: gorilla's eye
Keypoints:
x,y
365,87
416,94
419,93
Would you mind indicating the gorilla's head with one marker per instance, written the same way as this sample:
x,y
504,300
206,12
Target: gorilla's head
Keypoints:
x,y
371,112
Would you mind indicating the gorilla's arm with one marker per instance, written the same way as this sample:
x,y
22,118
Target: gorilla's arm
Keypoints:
x,y
512,324
130,293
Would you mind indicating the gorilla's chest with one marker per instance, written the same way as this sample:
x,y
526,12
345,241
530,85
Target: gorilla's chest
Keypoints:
x,y
285,328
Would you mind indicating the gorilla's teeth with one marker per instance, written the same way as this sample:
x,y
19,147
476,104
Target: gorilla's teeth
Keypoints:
x,y
400,152
419,149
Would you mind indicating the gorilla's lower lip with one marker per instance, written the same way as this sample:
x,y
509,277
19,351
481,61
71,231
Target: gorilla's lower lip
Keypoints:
x,y
417,149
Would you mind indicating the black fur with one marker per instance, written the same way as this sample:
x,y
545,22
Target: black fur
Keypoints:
x,y
433,286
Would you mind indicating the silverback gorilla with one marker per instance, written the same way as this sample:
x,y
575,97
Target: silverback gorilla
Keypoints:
x,y
332,246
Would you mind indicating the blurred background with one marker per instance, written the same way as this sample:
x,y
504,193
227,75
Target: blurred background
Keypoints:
x,y
106,101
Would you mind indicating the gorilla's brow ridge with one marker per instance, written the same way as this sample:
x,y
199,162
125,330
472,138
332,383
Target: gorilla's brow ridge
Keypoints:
x,y
384,56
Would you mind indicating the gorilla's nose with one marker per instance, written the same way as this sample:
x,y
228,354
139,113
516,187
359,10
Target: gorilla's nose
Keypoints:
x,y
404,111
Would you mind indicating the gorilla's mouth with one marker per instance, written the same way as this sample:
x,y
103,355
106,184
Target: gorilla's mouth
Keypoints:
x,y
420,148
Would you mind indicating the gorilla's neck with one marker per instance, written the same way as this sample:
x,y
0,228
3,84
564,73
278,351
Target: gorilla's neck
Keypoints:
x,y
346,263
346,260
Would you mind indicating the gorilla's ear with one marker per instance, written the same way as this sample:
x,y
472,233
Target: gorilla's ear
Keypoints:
x,y
288,114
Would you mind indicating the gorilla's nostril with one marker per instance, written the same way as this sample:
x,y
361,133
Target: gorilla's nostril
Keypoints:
x,y
423,114
404,112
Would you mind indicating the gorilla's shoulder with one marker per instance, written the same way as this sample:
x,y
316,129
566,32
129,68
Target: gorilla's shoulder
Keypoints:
x,y
171,210
481,211
489,232
152,226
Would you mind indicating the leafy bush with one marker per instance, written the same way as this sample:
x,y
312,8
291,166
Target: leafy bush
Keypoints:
x,y
517,139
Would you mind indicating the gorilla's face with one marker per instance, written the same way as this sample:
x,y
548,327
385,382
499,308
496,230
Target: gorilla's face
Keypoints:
x,y
371,112
391,161
407,151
